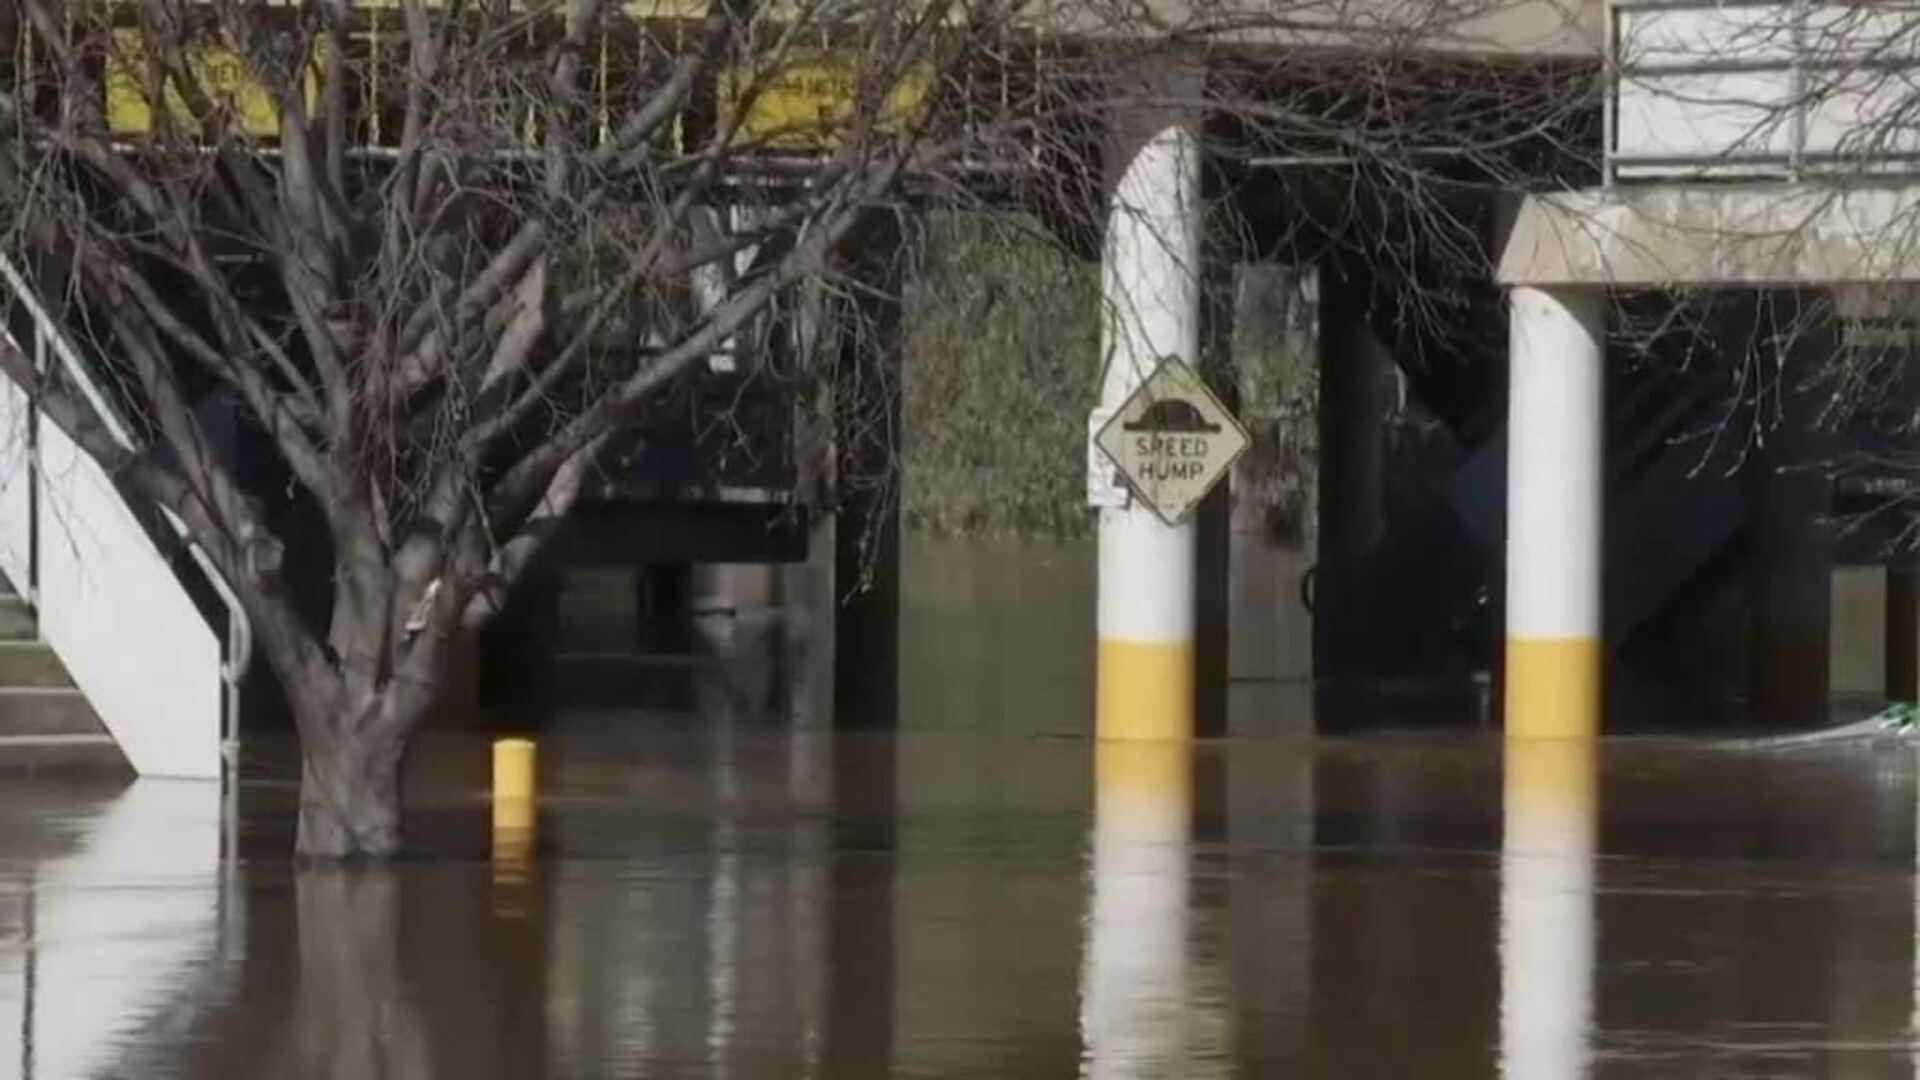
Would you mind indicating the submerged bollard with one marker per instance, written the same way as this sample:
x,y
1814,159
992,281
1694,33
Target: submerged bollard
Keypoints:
x,y
514,810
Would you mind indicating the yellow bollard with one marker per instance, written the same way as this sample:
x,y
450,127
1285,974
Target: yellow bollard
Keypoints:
x,y
513,770
514,805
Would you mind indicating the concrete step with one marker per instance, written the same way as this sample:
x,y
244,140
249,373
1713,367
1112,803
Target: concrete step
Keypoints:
x,y
30,663
94,755
46,710
16,622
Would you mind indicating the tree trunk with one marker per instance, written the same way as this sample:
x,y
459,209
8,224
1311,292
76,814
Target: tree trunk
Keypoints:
x,y
350,784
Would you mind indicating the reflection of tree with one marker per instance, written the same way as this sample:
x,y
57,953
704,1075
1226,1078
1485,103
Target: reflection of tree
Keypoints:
x,y
353,1017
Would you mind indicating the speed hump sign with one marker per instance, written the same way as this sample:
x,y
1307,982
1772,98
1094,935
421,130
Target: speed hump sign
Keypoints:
x,y
1172,440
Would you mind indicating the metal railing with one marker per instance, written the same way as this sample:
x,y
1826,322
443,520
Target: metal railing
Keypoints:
x,y
1761,90
51,343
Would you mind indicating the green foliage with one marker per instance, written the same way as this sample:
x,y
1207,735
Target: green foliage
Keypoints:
x,y
1002,367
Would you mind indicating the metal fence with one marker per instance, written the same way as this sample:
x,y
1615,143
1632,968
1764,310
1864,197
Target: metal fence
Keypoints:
x,y
1759,89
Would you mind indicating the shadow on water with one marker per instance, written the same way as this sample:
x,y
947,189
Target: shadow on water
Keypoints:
x,y
980,894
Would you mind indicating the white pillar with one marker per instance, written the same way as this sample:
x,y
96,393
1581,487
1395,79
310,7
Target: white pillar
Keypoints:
x,y
1555,484
1549,811
1150,295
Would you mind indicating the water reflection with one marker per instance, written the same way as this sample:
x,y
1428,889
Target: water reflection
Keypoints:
x,y
1137,985
118,920
353,1015
757,904
1550,824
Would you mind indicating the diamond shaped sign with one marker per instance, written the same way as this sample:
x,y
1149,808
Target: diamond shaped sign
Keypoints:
x,y
1172,440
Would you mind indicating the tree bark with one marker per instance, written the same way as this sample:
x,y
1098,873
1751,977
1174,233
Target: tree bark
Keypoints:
x,y
350,783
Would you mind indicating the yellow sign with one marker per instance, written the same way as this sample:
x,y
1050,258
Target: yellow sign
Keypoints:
x,y
220,73
1172,440
808,103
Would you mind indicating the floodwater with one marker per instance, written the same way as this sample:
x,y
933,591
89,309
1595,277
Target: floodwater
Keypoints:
x,y
985,893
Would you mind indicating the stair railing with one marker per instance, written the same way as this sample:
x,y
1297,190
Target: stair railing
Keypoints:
x,y
51,345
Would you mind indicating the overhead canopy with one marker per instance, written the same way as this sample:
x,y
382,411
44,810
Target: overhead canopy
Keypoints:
x,y
1708,234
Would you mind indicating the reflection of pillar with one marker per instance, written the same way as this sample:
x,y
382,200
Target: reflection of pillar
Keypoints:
x,y
1150,309
1793,549
866,528
1355,386
1547,908
1136,972
858,1031
1554,488
1271,941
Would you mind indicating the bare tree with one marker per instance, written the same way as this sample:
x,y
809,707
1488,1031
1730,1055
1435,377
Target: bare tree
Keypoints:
x,y
444,253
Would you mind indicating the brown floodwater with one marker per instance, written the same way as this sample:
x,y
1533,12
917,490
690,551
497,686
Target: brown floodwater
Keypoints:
x,y
985,893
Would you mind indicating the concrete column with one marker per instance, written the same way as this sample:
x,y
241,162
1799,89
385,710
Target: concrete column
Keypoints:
x,y
1555,484
663,608
1213,518
866,527
1150,298
1791,589
1550,822
1355,388
1903,634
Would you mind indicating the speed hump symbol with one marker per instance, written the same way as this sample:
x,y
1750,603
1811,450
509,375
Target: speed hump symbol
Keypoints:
x,y
1173,440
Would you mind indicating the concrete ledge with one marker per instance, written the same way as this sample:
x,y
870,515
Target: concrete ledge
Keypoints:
x,y
1709,234
30,664
83,753
47,710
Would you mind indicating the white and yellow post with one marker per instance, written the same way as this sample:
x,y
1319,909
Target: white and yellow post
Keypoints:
x,y
1136,965
1555,484
1150,298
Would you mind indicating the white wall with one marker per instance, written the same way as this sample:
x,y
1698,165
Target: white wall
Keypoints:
x,y
121,622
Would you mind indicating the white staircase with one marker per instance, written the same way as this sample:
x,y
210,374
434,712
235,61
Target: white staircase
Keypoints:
x,y
103,600
45,721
